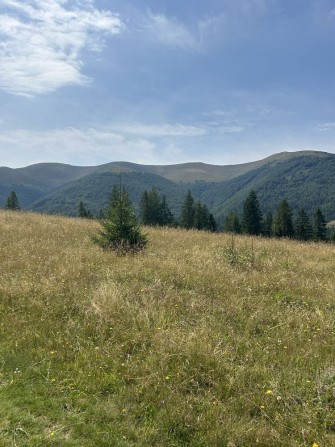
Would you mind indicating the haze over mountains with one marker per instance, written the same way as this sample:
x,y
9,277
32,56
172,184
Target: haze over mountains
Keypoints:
x,y
306,179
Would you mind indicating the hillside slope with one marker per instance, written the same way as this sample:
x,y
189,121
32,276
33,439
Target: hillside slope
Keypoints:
x,y
305,181
95,189
42,178
192,343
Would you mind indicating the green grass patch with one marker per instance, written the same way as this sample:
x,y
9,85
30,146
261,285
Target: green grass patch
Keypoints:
x,y
194,342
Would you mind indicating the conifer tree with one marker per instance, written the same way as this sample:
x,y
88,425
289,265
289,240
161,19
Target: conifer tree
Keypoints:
x,y
155,211
199,216
267,225
12,202
83,212
211,223
282,223
252,215
187,213
202,218
165,213
154,202
120,230
302,227
145,209
205,217
319,226
232,224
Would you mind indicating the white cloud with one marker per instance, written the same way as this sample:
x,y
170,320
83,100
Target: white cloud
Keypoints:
x,y
71,145
172,33
41,42
138,143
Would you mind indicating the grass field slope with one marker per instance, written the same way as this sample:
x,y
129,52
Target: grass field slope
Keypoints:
x,y
201,340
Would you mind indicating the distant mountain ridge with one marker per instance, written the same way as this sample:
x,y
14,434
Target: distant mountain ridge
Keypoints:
x,y
56,174
304,178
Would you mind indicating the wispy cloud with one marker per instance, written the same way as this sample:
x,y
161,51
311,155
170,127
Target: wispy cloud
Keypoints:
x,y
72,145
171,32
231,129
146,144
41,42
326,127
163,130
235,21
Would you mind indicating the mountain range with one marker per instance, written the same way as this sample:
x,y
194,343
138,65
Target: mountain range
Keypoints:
x,y
306,179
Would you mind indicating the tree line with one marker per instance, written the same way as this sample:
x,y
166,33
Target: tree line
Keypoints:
x,y
120,229
154,211
281,224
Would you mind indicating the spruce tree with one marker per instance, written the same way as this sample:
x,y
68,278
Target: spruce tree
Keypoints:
x,y
83,212
198,217
155,211
205,217
252,215
12,202
319,226
145,209
165,214
187,213
302,227
267,225
120,230
211,223
282,223
232,224
154,203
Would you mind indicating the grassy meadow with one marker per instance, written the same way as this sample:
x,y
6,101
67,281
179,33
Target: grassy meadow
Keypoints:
x,y
202,340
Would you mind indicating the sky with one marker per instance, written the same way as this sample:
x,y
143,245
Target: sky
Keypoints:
x,y
88,82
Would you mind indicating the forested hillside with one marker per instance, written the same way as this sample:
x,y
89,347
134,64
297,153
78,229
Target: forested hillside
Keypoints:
x,y
94,190
306,182
304,179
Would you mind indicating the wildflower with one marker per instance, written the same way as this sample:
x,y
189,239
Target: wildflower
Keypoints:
x,y
315,444
268,392
167,378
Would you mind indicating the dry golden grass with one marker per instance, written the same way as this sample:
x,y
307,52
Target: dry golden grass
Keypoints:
x,y
201,340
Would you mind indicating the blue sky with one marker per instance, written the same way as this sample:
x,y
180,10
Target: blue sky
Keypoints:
x,y
87,82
